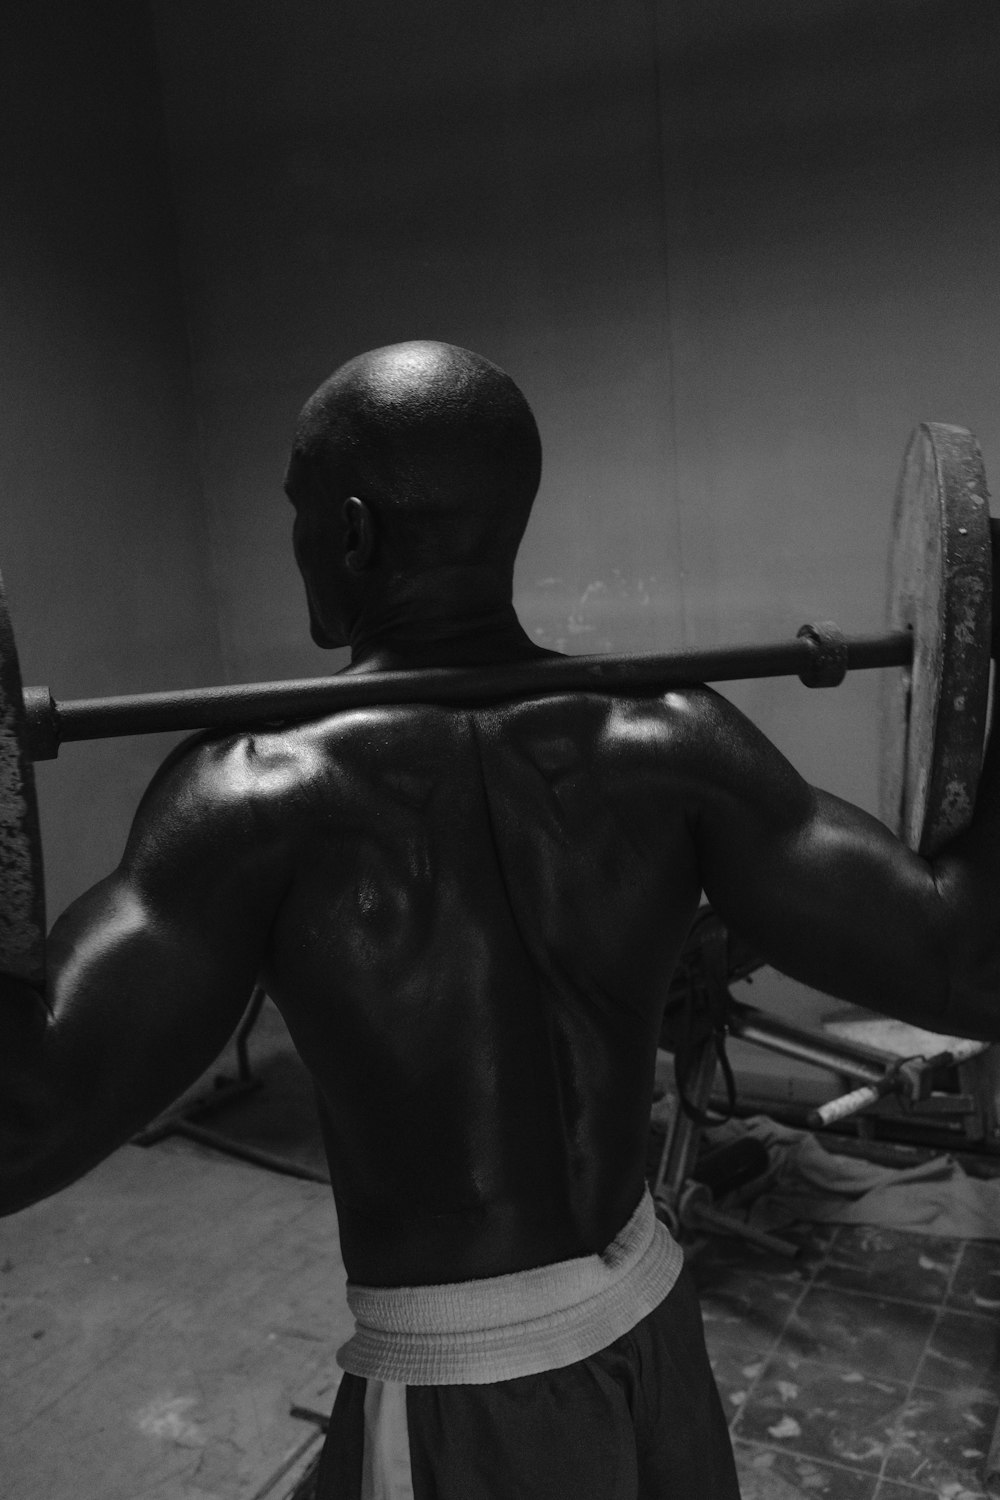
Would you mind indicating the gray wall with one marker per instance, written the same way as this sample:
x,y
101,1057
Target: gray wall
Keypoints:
x,y
102,528
482,174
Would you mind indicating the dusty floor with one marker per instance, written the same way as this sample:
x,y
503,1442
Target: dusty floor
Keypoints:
x,y
160,1321
869,1369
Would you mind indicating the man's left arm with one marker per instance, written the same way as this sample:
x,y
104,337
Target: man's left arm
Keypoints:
x,y
148,973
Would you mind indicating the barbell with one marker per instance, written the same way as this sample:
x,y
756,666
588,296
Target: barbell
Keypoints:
x,y
939,621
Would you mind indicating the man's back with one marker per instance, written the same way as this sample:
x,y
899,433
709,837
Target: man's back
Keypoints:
x,y
484,911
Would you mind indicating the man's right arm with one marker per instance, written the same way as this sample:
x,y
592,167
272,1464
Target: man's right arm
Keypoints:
x,y
829,896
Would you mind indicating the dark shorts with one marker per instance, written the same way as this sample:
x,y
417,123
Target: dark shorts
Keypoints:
x,y
641,1420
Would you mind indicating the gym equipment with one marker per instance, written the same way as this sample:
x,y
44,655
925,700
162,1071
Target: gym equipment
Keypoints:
x,y
700,1015
940,590
909,1078
940,624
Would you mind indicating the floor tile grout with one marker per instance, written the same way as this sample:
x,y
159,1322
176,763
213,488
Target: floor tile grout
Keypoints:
x,y
806,1284
811,1458
856,1291
919,1363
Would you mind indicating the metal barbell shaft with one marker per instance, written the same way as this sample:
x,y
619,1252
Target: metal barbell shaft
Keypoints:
x,y
52,723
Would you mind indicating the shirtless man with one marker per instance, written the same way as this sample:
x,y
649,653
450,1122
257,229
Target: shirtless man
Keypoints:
x,y
469,919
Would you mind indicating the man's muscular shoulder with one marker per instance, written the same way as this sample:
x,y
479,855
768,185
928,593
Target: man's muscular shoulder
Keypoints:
x,y
221,801
219,773
255,787
687,728
708,752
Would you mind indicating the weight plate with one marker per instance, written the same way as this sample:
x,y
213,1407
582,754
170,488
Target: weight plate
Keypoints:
x,y
940,588
22,883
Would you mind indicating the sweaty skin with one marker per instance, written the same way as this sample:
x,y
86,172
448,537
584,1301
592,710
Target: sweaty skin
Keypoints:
x,y
468,918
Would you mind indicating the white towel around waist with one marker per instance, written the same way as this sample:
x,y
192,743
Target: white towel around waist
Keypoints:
x,y
502,1327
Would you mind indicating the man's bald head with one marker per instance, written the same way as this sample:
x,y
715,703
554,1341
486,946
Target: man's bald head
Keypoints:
x,y
439,442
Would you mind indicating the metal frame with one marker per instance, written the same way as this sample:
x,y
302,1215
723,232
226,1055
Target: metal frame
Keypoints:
x,y
700,979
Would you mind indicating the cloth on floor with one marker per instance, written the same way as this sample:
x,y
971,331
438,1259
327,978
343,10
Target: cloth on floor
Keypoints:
x,y
809,1182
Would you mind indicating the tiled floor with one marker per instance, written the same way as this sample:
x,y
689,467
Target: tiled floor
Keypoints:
x,y
867,1369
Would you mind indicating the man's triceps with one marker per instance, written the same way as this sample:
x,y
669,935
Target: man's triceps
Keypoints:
x,y
830,897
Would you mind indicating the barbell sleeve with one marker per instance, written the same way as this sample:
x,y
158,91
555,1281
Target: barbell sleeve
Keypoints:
x,y
52,723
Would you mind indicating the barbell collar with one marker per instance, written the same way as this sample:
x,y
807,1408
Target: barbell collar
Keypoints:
x,y
51,723
828,667
42,713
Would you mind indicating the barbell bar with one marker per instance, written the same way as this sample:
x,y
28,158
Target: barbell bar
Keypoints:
x,y
819,655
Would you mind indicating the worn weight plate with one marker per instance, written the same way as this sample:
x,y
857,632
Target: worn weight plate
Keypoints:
x,y
940,577
22,887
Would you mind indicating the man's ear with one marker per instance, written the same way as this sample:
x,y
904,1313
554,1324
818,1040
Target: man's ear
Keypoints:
x,y
359,534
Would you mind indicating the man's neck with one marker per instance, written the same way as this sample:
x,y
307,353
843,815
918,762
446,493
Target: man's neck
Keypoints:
x,y
406,639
